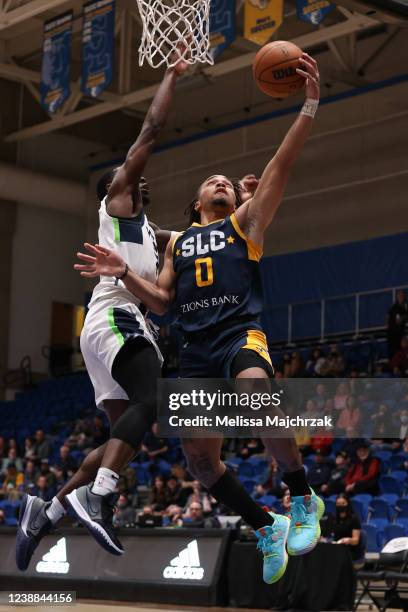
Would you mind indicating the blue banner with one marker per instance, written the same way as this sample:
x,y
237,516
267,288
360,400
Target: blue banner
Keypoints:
x,y
313,11
55,85
222,25
98,45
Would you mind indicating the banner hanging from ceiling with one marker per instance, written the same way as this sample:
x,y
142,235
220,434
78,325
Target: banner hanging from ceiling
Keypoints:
x,y
55,85
222,26
313,11
261,19
98,46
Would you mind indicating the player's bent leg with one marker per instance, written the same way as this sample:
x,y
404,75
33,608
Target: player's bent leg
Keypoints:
x,y
136,369
204,463
272,539
37,517
306,507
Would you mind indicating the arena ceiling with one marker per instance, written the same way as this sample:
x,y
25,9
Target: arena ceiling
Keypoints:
x,y
21,32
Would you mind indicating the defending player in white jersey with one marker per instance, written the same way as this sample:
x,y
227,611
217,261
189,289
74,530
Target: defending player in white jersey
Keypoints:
x,y
119,349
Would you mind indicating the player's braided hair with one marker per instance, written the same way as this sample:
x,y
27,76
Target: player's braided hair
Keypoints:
x,y
194,215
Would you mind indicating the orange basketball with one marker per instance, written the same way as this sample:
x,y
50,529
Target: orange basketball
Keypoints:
x,y
274,69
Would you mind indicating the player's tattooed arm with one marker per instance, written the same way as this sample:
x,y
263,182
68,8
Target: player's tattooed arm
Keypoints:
x,y
104,262
124,195
256,214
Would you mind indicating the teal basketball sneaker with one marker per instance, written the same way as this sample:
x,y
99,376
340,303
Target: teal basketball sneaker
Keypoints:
x,y
272,542
304,533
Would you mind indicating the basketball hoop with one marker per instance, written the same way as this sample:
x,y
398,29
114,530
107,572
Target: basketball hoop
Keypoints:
x,y
169,23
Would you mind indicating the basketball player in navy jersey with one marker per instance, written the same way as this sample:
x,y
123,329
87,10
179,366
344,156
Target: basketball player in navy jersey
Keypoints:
x,y
211,273
118,346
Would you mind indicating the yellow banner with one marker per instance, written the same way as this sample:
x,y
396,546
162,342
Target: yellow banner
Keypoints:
x,y
262,19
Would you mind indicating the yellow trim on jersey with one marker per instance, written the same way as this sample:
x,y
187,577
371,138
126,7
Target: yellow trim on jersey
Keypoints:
x,y
256,341
178,234
254,251
210,223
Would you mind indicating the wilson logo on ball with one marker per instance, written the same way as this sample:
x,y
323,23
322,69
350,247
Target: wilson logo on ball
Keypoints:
x,y
284,72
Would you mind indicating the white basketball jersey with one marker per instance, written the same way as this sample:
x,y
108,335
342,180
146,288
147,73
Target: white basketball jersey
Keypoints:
x,y
135,242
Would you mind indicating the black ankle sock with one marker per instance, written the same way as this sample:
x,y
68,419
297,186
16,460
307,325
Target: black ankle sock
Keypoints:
x,y
230,492
297,482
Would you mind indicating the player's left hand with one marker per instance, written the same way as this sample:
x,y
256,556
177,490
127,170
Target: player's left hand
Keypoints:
x,y
102,262
309,69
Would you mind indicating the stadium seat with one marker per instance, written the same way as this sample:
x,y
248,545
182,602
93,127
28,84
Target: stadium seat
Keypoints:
x,y
390,498
249,485
373,541
330,506
359,509
246,470
268,500
401,507
397,461
389,484
394,530
378,509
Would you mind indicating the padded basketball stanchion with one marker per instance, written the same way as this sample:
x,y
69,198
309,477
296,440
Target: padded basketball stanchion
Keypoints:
x,y
167,24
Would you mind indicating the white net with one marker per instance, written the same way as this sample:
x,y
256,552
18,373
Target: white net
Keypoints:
x,y
174,31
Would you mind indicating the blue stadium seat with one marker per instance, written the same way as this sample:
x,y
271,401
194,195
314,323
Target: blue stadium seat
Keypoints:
x,y
383,455
394,530
246,470
397,461
401,507
400,475
379,523
330,506
249,485
268,500
364,498
379,509
373,539
359,509
390,498
389,484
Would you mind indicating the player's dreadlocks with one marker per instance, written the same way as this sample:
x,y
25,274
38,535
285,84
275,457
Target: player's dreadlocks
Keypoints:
x,y
194,215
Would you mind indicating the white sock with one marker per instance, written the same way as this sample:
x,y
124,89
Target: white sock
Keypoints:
x,y
105,481
55,511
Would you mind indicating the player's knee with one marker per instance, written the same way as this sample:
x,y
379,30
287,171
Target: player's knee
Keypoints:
x,y
134,422
203,468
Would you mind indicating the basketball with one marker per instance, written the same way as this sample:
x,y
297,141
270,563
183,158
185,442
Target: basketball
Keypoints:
x,y
274,69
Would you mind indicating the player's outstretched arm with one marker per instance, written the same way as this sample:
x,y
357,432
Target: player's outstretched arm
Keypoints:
x,y
104,262
119,202
261,209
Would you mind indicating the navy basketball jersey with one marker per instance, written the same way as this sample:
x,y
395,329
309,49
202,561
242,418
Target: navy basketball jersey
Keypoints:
x,y
218,274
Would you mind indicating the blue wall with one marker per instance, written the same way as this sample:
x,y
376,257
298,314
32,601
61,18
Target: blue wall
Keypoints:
x,y
323,273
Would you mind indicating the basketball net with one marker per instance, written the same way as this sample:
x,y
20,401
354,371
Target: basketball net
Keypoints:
x,y
167,24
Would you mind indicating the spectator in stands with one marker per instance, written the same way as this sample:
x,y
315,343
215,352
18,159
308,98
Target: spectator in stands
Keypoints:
x,y
403,430
194,516
42,445
397,323
297,368
400,359
363,474
286,360
250,448
318,473
157,498
336,482
321,397
29,448
345,527
125,515
379,420
176,494
153,447
2,517
351,443
66,462
272,483
341,395
60,478
335,364
200,496
13,483
30,474
42,490
46,472
130,477
329,409
316,363
322,441
350,416
12,443
3,453
12,458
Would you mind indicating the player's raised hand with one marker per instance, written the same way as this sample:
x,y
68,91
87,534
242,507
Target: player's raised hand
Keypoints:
x,y
182,66
309,69
102,262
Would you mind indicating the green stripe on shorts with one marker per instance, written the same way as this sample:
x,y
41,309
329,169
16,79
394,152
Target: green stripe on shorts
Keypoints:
x,y
116,229
114,328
